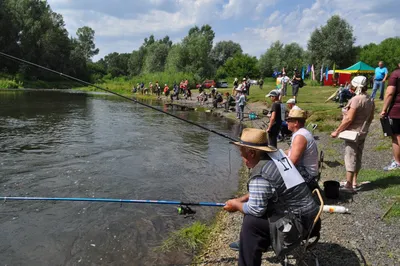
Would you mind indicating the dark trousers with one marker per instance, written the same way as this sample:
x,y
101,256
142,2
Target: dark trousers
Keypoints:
x,y
273,136
254,240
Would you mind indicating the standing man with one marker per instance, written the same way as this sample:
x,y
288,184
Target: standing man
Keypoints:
x,y
275,121
296,84
391,108
380,77
261,83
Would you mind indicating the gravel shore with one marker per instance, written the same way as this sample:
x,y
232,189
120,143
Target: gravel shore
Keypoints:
x,y
362,237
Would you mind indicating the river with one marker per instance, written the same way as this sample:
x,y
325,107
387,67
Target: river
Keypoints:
x,y
59,144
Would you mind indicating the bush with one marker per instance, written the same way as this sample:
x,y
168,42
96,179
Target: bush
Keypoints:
x,y
312,83
10,84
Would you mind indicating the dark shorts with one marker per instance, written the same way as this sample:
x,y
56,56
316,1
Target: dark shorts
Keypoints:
x,y
295,89
396,126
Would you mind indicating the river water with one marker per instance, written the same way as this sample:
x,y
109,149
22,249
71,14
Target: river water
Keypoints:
x,y
58,144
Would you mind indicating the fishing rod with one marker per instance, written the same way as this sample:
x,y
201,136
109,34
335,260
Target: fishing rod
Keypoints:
x,y
183,209
117,94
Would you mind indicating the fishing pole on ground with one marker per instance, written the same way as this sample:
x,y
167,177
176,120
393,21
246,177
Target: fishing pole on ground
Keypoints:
x,y
183,207
117,94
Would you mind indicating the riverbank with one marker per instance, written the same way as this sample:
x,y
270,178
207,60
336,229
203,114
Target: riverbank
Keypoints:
x,y
369,235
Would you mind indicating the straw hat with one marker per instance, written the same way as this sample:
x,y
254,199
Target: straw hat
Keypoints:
x,y
255,139
292,101
297,114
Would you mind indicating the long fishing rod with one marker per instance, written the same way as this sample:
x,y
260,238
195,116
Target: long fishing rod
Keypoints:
x,y
183,208
117,94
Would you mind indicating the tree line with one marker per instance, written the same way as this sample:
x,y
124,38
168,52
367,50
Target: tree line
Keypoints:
x,y
31,30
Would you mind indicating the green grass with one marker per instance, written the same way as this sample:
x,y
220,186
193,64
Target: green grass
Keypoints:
x,y
187,239
387,185
383,145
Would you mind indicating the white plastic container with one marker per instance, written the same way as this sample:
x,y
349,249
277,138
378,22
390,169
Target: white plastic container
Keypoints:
x,y
337,209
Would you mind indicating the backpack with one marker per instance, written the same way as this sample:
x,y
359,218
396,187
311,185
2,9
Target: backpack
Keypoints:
x,y
301,83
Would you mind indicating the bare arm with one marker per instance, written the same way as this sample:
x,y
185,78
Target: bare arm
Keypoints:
x,y
390,92
299,145
347,120
384,79
271,121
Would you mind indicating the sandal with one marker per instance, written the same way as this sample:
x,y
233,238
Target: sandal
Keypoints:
x,y
348,190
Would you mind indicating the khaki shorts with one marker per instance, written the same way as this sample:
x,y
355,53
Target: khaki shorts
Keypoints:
x,y
353,154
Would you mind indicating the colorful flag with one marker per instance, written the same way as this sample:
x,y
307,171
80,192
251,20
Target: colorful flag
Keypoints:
x,y
308,69
322,70
334,66
312,72
283,70
326,73
302,72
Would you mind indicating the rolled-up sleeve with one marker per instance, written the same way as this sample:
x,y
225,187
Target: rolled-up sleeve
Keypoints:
x,y
260,191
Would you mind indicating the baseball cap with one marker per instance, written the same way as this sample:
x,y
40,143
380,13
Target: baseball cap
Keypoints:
x,y
273,93
293,101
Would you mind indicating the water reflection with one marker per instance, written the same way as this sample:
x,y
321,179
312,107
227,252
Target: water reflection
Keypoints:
x,y
61,145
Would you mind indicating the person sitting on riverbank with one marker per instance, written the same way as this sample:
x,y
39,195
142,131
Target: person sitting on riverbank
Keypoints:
x,y
166,90
303,151
272,192
346,94
218,99
229,101
202,97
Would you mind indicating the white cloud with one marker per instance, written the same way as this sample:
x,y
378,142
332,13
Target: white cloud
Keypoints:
x,y
243,8
121,25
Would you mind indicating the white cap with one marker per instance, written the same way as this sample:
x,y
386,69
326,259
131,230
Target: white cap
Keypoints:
x,y
293,101
359,81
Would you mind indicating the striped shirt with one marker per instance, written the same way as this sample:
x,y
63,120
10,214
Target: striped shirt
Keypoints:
x,y
267,190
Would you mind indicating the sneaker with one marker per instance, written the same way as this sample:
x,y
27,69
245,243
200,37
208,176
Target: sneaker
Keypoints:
x,y
234,246
392,166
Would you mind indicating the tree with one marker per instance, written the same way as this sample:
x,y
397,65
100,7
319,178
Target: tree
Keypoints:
x,y
224,50
86,42
174,60
387,51
196,48
117,64
271,59
156,58
136,61
241,65
332,43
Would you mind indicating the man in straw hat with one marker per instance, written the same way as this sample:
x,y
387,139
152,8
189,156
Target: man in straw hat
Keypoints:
x,y
275,187
303,151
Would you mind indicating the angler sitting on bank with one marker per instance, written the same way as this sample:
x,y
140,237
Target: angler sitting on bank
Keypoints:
x,y
303,151
275,189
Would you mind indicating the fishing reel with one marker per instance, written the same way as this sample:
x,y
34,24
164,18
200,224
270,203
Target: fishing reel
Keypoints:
x,y
186,210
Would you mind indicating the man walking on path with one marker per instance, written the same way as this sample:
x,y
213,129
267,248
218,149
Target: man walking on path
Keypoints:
x,y
380,77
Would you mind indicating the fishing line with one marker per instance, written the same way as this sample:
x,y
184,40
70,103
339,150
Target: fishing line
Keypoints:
x,y
117,94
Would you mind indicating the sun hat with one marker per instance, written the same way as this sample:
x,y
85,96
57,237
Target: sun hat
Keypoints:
x,y
293,101
244,79
255,139
297,114
273,93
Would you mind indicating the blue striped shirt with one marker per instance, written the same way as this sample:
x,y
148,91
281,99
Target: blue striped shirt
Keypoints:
x,y
260,191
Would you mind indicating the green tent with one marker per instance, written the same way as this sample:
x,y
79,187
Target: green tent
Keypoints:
x,y
359,67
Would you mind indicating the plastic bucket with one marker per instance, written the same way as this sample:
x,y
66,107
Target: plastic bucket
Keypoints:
x,y
331,189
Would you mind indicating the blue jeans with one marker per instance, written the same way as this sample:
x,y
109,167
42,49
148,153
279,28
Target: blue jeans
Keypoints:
x,y
378,84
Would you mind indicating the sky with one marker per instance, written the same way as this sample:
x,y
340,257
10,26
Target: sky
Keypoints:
x,y
122,25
